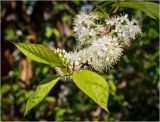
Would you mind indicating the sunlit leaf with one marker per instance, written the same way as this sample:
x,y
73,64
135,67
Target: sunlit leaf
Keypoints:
x,y
9,34
93,85
40,54
41,92
5,88
151,9
48,32
51,31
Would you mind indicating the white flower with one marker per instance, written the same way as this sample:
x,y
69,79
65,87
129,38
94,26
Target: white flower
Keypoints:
x,y
59,71
104,53
101,55
62,54
84,18
126,30
85,28
73,57
77,58
100,45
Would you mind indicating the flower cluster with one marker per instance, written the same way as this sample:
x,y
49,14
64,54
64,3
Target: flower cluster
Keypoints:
x,y
62,54
104,41
86,29
101,55
104,53
124,29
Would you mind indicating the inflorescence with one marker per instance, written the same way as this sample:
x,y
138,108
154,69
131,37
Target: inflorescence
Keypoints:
x,y
100,43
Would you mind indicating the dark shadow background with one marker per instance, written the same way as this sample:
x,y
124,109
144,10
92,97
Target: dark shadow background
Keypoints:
x,y
134,83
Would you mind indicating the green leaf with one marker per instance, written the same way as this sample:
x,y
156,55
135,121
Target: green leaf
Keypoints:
x,y
5,88
93,85
41,92
50,31
9,34
151,9
40,54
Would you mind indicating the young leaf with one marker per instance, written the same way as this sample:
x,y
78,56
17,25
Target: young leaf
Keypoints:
x,y
41,92
149,8
40,54
93,85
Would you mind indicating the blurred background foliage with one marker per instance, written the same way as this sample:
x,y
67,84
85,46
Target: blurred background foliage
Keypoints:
x,y
133,81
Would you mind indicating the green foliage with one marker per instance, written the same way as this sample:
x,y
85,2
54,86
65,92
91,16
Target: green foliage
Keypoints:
x,y
133,82
5,88
41,92
9,34
40,54
149,8
93,85
101,12
51,31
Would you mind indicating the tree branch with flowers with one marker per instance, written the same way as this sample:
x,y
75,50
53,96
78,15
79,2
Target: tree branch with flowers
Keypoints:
x,y
101,42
